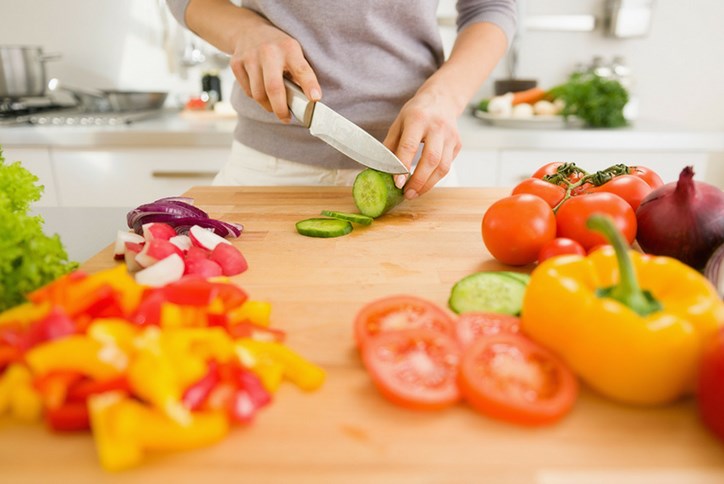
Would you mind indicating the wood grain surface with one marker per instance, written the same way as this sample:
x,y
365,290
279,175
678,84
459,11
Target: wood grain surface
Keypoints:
x,y
346,432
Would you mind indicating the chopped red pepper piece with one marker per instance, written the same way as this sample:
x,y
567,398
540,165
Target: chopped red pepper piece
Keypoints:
x,y
70,417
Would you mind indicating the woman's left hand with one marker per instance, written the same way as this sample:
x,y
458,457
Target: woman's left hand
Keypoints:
x,y
430,119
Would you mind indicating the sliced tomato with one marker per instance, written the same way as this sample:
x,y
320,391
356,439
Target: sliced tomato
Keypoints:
x,y
400,312
473,325
414,368
510,377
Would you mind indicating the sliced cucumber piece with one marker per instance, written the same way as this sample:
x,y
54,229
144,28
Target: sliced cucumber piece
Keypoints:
x,y
323,227
487,291
375,193
520,276
357,218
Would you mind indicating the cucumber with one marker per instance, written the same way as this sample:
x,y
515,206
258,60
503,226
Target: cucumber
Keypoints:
x,y
357,218
323,227
488,291
521,276
375,193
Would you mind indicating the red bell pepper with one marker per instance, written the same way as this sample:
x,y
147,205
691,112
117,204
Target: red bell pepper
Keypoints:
x,y
69,417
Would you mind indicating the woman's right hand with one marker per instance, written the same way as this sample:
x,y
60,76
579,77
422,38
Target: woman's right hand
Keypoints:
x,y
262,56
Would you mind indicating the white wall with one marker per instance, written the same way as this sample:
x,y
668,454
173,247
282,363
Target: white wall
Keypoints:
x,y
678,67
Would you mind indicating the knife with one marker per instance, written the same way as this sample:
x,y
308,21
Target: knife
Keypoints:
x,y
341,133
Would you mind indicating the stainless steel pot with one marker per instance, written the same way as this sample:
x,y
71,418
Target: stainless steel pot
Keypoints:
x,y
22,71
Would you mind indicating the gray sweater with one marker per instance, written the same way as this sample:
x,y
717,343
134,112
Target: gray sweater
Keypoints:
x,y
370,57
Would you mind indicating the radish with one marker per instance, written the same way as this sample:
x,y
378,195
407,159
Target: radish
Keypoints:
x,y
119,250
183,242
206,239
230,259
156,249
157,230
196,253
131,251
203,267
162,272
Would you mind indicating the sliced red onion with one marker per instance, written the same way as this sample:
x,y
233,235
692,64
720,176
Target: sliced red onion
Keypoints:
x,y
714,270
181,215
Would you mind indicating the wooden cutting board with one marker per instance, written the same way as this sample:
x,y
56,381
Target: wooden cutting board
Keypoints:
x,y
347,432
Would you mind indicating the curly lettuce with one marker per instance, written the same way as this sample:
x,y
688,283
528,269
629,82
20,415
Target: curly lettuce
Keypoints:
x,y
29,258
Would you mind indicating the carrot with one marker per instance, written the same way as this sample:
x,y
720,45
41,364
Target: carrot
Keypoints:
x,y
530,96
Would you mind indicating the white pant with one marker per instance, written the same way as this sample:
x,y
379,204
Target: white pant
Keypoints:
x,y
248,167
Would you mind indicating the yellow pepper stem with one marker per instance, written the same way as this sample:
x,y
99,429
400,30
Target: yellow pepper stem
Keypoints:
x,y
627,291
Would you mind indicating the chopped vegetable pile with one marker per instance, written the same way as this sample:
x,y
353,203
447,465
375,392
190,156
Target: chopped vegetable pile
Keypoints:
x,y
28,257
144,368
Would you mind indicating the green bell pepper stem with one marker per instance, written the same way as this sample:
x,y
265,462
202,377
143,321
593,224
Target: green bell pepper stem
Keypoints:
x,y
627,291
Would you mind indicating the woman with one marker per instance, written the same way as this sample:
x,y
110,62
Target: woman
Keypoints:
x,y
377,62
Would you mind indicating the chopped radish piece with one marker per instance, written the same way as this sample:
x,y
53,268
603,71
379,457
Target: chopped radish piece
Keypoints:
x,y
230,259
183,242
132,250
119,250
203,267
158,230
206,239
197,253
156,249
161,273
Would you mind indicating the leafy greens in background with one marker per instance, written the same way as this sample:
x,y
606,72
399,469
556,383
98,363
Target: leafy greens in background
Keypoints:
x,y
599,102
29,259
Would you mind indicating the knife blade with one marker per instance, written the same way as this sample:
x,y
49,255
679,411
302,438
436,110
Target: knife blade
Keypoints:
x,y
341,133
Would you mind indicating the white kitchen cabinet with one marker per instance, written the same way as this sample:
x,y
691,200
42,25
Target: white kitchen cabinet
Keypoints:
x,y
516,165
37,161
115,177
476,168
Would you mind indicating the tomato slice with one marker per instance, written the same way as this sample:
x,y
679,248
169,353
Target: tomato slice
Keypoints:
x,y
414,368
510,377
473,325
400,312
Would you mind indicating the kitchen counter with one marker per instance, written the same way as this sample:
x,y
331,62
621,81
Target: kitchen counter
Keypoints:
x,y
346,432
174,129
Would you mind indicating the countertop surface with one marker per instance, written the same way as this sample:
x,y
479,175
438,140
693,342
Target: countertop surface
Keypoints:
x,y
171,128
346,432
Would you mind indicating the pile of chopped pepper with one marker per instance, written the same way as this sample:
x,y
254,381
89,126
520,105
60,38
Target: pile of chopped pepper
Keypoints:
x,y
145,369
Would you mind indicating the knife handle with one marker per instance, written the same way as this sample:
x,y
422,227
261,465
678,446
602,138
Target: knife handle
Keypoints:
x,y
300,106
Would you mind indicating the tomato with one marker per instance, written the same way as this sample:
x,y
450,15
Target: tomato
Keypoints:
x,y
515,228
473,325
400,312
647,175
560,246
547,169
629,187
414,368
549,192
510,377
710,392
572,215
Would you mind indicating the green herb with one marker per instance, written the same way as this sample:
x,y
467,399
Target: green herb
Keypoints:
x,y
483,105
597,101
29,259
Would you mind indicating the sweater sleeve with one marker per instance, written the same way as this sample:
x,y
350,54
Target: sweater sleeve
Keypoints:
x,y
178,10
502,13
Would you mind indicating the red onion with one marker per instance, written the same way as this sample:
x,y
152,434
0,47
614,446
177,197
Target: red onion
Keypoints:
x,y
683,219
714,270
181,215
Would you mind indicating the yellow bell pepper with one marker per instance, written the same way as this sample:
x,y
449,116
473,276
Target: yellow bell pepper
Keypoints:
x,y
17,395
124,429
78,353
295,368
631,326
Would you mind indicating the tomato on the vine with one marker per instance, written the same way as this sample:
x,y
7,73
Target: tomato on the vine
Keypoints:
x,y
398,312
629,187
550,192
572,215
647,175
414,368
516,227
510,377
560,246
547,169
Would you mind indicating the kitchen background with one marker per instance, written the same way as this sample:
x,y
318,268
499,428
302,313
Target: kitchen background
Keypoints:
x,y
132,44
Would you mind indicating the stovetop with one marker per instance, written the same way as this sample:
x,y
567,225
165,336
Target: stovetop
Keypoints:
x,y
46,112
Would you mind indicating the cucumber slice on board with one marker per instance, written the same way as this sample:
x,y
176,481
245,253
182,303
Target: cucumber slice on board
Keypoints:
x,y
521,276
357,218
375,193
488,291
323,227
